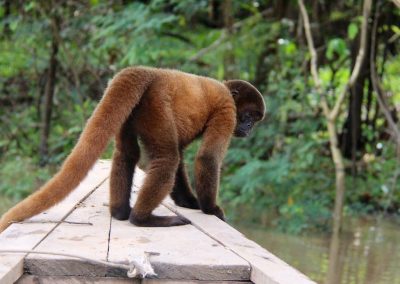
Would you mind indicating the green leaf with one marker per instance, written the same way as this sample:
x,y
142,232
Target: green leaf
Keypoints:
x,y
352,30
336,46
395,29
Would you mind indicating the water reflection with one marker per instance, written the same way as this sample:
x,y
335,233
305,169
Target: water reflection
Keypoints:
x,y
366,252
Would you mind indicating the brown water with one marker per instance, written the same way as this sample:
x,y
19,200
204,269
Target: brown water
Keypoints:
x,y
367,252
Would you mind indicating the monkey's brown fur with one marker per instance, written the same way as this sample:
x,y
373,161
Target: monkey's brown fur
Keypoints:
x,y
167,110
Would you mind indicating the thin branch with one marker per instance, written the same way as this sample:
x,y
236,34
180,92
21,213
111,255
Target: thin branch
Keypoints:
x,y
207,49
314,59
359,60
311,47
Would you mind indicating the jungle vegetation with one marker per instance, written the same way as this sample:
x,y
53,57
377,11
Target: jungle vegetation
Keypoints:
x,y
330,74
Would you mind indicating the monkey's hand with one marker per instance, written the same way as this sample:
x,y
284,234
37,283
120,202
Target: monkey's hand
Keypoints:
x,y
185,200
217,211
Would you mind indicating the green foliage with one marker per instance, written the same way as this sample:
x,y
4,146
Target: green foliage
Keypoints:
x,y
336,46
378,186
19,176
283,173
352,30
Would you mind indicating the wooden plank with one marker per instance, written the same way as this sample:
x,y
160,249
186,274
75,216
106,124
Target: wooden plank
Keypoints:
x,y
266,267
97,175
185,253
85,235
33,279
208,250
25,236
166,281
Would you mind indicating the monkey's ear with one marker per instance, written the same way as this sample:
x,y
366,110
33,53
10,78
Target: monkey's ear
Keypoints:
x,y
233,86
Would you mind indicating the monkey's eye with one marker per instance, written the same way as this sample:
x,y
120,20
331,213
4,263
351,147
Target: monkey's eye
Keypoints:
x,y
245,117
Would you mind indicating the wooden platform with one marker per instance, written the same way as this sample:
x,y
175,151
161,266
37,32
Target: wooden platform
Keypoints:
x,y
208,251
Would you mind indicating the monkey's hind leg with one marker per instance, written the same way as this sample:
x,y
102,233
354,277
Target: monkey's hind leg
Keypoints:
x,y
160,177
125,158
157,184
182,193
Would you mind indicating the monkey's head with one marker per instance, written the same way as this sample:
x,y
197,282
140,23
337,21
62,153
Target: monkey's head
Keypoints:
x,y
250,106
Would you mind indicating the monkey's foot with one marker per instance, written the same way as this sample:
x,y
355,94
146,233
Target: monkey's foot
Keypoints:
x,y
120,213
158,221
185,201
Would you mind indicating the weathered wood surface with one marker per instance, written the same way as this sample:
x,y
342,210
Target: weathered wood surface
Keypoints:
x,y
184,252
26,236
208,251
85,233
33,279
265,267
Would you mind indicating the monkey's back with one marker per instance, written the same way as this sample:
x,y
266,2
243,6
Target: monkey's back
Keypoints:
x,y
186,98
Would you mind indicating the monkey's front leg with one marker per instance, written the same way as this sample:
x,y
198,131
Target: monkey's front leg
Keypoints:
x,y
216,139
207,179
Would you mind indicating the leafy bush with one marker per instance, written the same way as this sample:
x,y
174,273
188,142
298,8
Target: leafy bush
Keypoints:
x,y
20,176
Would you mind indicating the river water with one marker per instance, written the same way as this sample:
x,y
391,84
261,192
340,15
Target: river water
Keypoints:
x,y
366,252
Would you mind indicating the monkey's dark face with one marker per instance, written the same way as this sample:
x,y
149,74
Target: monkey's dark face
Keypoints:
x,y
250,106
245,122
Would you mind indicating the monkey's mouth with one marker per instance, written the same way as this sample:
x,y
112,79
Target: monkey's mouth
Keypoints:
x,y
241,134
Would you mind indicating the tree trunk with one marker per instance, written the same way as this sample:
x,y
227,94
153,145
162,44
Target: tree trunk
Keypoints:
x,y
229,57
331,115
352,142
7,13
338,161
214,11
264,65
48,104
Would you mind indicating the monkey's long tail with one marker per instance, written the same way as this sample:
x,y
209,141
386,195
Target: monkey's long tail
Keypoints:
x,y
120,98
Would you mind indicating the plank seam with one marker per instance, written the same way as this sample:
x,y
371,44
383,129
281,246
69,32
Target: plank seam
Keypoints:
x,y
59,222
109,238
69,213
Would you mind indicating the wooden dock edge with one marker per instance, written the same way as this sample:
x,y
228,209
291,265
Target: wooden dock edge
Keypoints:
x,y
32,279
265,267
29,234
